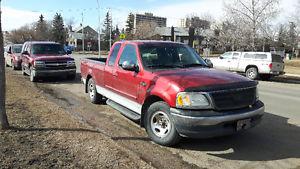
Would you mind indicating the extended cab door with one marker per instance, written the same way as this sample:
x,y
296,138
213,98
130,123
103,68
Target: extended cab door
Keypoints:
x,y
128,81
109,75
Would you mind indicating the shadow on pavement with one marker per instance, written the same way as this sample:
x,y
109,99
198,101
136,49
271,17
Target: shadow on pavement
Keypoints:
x,y
60,80
273,139
286,79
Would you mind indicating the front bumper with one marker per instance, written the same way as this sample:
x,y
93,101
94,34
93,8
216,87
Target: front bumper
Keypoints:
x,y
206,124
50,73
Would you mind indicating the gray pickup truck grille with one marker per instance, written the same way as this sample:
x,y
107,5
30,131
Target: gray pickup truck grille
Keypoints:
x,y
233,99
56,64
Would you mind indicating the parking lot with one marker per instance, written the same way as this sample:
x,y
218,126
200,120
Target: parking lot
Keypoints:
x,y
275,143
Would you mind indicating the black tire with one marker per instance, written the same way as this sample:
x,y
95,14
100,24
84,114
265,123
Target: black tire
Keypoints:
x,y
92,91
170,136
252,73
33,78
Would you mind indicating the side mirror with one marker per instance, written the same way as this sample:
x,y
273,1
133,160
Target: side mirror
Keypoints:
x,y
126,65
9,52
209,63
221,57
69,52
25,53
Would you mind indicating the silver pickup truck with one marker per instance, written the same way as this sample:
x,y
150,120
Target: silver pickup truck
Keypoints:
x,y
255,65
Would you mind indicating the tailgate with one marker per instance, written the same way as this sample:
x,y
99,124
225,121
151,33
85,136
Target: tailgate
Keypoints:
x,y
277,63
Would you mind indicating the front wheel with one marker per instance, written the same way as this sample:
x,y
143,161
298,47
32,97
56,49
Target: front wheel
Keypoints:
x,y
32,76
160,126
252,73
94,96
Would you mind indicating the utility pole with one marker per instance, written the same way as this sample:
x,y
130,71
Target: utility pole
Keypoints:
x,y
83,37
3,117
99,33
110,28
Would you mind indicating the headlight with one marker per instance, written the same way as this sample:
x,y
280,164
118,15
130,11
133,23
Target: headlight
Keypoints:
x,y
71,63
192,100
39,63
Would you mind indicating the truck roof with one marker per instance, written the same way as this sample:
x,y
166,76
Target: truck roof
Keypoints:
x,y
149,42
41,42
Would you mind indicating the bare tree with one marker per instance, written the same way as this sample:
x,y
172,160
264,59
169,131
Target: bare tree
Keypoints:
x,y
252,14
145,30
3,117
22,34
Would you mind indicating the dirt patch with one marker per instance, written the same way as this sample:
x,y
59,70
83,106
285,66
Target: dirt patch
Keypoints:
x,y
44,135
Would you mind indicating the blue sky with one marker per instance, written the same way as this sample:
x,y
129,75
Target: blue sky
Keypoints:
x,y
18,12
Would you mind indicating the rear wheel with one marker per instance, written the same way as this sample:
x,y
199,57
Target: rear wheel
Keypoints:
x,y
160,126
94,96
252,73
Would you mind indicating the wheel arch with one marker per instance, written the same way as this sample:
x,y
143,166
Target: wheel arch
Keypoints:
x,y
148,101
249,66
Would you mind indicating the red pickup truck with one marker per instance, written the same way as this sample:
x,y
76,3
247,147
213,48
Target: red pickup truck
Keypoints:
x,y
171,91
44,59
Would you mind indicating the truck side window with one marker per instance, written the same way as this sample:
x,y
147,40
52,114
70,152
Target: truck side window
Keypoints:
x,y
114,55
128,54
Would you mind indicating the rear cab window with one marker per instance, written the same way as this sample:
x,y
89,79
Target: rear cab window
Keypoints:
x,y
114,54
276,58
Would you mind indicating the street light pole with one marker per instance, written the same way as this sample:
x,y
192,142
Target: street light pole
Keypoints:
x,y
82,34
110,28
99,33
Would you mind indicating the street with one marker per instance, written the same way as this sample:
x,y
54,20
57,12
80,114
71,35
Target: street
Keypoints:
x,y
275,143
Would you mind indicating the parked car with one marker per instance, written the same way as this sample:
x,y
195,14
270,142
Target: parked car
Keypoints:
x,y
169,89
13,56
44,59
254,64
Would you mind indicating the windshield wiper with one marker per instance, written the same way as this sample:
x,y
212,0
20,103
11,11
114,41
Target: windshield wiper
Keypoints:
x,y
195,65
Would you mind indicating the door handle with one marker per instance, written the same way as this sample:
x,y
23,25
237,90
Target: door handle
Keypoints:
x,y
115,74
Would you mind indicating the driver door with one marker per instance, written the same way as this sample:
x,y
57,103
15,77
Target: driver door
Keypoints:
x,y
224,61
128,81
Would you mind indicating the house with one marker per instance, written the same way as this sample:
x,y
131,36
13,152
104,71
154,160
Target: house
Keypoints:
x,y
90,39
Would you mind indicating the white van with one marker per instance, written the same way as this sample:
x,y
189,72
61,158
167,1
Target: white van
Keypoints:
x,y
255,65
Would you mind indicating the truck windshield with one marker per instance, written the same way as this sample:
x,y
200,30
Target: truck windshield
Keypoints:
x,y
17,48
165,56
51,49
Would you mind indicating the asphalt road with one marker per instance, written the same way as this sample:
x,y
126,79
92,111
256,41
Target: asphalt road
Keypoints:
x,y
275,143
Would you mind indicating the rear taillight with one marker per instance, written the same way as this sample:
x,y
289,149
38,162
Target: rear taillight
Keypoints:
x,y
270,65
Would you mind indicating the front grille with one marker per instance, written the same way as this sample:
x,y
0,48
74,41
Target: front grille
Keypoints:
x,y
56,64
233,99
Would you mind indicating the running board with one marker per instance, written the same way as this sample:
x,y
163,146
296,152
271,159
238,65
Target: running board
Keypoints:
x,y
126,112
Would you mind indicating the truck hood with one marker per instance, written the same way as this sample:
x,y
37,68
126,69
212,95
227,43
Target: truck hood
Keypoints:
x,y
198,77
52,57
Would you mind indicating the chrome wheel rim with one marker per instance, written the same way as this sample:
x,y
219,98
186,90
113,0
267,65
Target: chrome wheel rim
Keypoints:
x,y
251,74
160,124
92,90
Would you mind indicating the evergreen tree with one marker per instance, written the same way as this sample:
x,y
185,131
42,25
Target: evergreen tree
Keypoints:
x,y
42,29
58,31
106,31
130,24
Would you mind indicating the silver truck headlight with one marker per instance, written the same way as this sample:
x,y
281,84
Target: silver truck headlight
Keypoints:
x,y
192,100
39,64
71,63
